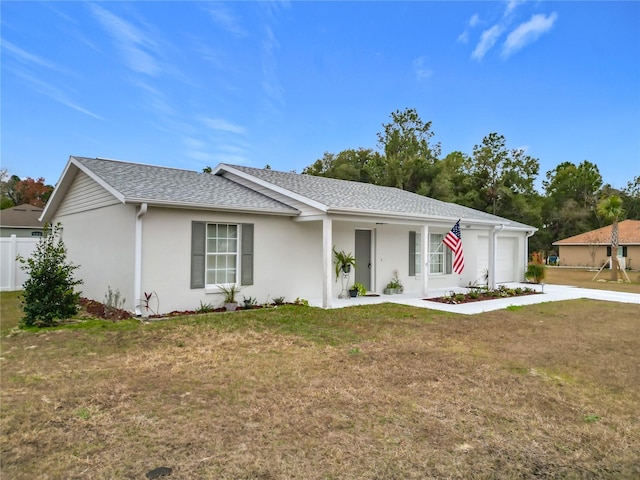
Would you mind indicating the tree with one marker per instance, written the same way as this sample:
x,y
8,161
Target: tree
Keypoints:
x,y
30,191
631,198
410,158
361,165
577,182
499,175
610,209
49,291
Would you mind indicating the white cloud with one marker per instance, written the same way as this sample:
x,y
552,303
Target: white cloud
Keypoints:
x,y
223,125
421,69
133,42
48,90
225,19
528,32
487,41
511,6
473,21
29,58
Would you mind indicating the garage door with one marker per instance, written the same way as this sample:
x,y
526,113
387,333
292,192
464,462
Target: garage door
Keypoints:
x,y
506,262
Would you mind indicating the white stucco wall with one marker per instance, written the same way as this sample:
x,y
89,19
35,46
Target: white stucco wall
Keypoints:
x,y
101,242
287,258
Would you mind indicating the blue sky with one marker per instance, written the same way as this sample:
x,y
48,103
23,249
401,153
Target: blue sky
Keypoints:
x,y
192,84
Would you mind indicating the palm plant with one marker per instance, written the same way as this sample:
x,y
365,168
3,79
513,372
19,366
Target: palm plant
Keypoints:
x,y
610,209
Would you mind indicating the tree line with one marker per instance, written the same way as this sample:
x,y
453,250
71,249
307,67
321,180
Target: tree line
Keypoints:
x,y
15,191
492,178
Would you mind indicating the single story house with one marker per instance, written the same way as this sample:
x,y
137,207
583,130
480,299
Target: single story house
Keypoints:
x,y
181,234
21,221
593,249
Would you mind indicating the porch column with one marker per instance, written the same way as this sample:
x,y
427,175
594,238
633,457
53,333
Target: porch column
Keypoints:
x,y
327,257
424,255
493,240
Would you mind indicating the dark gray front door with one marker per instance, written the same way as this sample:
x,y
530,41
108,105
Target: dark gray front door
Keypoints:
x,y
363,258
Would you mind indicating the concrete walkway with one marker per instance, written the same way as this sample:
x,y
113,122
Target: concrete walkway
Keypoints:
x,y
549,293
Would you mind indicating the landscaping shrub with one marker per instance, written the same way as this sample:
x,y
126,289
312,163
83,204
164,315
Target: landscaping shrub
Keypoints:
x,y
49,292
536,268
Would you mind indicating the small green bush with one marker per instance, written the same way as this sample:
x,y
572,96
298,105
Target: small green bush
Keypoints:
x,y
49,293
535,272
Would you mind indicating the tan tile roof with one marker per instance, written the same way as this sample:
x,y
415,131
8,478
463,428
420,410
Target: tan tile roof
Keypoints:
x,y
628,230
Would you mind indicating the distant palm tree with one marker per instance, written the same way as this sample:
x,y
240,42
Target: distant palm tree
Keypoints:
x,y
610,209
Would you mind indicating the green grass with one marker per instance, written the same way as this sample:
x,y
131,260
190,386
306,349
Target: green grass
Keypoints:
x,y
10,310
384,391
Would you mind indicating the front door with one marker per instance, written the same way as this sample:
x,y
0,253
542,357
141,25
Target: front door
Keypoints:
x,y
363,258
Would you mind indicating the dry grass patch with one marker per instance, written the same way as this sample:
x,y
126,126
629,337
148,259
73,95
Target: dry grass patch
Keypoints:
x,y
384,391
583,278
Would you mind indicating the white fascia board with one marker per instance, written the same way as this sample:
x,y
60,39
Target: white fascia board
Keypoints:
x,y
221,168
597,244
206,206
62,185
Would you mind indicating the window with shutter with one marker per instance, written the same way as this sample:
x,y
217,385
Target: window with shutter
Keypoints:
x,y
221,253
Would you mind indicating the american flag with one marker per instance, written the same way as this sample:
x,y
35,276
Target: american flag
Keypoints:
x,y
453,240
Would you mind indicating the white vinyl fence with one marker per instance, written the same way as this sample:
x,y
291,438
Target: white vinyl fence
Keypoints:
x,y
11,275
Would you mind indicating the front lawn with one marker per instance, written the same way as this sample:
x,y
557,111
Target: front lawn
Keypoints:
x,y
386,391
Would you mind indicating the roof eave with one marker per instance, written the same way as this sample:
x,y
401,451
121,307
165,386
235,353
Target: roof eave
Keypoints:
x,y
423,218
207,206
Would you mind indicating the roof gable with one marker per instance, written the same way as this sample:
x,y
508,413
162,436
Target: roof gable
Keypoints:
x,y
628,234
138,183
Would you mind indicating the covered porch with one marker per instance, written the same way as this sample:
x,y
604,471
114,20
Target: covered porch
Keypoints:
x,y
383,246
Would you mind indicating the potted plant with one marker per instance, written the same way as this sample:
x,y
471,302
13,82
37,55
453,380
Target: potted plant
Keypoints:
x,y
357,289
249,302
391,288
344,261
394,285
230,291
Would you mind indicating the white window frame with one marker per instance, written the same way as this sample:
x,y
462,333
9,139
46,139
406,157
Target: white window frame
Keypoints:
x,y
441,252
210,255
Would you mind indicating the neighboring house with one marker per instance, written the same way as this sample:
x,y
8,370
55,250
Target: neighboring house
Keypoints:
x,y
21,221
593,249
20,231
140,228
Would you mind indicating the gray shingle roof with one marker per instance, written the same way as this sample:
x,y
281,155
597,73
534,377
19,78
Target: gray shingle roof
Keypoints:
x,y
148,183
348,195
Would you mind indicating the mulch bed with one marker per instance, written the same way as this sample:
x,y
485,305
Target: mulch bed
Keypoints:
x,y
480,296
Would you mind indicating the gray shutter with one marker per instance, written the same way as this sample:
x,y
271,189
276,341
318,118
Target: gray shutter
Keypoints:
x,y
412,254
609,251
198,253
624,251
246,268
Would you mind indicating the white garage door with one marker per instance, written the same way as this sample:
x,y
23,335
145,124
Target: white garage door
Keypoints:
x,y
506,262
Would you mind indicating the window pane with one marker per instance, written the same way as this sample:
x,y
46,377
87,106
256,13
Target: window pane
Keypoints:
x,y
436,253
222,253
